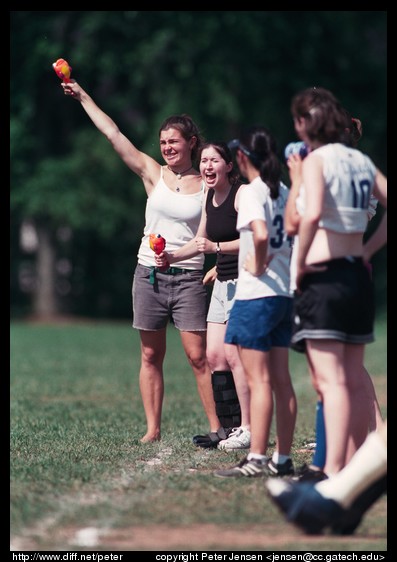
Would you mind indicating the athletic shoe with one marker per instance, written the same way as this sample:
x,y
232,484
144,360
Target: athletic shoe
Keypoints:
x,y
239,438
284,469
303,505
306,473
352,517
252,469
211,440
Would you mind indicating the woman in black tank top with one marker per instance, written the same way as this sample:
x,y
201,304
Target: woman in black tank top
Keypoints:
x,y
217,234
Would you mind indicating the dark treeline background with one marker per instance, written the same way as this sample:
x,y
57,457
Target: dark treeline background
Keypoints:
x,y
77,212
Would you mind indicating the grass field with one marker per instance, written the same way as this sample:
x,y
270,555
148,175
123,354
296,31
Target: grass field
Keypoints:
x,y
81,479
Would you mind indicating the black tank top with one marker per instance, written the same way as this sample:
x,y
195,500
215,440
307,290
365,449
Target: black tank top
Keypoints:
x,y
221,227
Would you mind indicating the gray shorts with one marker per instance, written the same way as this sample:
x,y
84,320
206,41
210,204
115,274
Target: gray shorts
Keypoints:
x,y
178,296
222,299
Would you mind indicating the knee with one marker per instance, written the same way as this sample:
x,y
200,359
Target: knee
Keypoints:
x,y
216,361
282,385
198,361
151,356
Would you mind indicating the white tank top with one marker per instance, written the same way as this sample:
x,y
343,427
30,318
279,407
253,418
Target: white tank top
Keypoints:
x,y
176,217
349,181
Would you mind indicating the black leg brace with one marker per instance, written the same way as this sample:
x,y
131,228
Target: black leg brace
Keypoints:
x,y
226,400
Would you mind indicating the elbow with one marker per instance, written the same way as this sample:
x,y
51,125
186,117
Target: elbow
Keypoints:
x,y
291,222
291,229
262,239
313,220
112,134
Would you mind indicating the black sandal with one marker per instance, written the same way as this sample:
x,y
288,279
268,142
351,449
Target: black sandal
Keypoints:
x,y
211,440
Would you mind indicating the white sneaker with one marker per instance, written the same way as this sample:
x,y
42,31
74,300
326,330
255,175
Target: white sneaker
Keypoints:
x,y
239,438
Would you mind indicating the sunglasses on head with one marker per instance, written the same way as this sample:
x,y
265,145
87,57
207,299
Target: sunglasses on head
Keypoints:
x,y
235,143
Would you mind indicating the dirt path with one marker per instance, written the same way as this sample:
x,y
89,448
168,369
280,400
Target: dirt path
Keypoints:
x,y
200,538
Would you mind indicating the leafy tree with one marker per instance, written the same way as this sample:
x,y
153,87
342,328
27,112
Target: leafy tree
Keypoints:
x,y
225,68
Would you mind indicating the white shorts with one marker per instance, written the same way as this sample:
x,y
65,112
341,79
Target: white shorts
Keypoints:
x,y
222,300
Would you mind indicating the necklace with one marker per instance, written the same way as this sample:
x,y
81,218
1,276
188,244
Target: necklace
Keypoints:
x,y
179,174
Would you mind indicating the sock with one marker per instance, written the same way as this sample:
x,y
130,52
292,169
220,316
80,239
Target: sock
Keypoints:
x,y
255,456
279,459
321,449
366,466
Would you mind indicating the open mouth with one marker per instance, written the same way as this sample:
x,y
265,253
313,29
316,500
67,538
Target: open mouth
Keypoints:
x,y
210,177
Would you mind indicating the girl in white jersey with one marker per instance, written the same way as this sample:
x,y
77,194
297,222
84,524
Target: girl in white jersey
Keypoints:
x,y
260,319
174,201
334,302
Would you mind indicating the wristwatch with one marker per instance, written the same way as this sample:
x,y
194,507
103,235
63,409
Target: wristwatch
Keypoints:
x,y
218,248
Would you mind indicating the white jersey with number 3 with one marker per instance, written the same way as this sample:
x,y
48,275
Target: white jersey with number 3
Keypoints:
x,y
256,204
349,177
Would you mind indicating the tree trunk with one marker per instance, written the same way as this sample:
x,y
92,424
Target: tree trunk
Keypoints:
x,y
45,303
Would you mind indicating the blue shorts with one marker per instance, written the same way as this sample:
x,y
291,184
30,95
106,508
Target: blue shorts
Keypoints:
x,y
260,323
222,300
178,296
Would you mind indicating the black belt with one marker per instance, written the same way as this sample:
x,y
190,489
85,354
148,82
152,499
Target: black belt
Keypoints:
x,y
172,270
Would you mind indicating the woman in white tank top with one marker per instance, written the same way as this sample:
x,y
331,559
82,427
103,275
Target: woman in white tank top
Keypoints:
x,y
175,193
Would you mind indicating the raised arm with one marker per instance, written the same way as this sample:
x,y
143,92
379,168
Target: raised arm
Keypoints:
x,y
139,162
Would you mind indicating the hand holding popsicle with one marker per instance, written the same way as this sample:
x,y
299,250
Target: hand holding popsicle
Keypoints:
x,y
62,69
157,244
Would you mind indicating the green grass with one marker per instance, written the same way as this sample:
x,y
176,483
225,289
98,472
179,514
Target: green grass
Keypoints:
x,y
76,458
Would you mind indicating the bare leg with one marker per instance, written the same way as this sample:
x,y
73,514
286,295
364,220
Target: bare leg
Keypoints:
x,y
375,415
366,466
286,404
257,369
318,460
353,490
151,380
357,382
216,355
327,360
194,344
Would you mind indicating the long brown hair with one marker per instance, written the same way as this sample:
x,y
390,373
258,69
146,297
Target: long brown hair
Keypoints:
x,y
324,115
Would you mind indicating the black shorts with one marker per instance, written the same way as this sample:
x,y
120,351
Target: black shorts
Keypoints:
x,y
336,304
